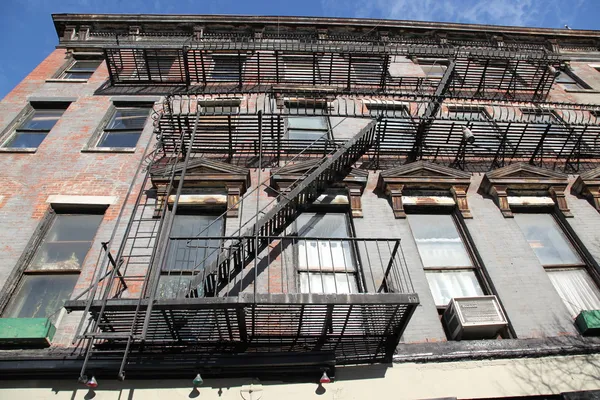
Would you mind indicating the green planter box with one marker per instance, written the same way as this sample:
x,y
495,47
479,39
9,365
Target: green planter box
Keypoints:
x,y
588,322
26,332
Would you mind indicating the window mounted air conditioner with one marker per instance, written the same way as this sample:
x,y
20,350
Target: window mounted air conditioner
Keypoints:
x,y
474,318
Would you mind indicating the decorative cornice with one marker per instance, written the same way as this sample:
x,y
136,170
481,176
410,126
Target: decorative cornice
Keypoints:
x,y
425,176
525,179
588,185
204,174
354,182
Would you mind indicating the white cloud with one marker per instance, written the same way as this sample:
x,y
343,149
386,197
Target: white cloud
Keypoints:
x,y
549,13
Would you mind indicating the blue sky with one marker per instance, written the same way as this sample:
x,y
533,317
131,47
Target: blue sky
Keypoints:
x,y
28,33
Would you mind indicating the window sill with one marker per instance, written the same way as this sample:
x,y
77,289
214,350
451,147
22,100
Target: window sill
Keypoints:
x,y
56,80
582,91
18,150
37,332
109,150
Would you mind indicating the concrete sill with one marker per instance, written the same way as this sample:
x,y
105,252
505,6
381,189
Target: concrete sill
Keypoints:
x,y
66,80
18,150
37,332
582,91
108,150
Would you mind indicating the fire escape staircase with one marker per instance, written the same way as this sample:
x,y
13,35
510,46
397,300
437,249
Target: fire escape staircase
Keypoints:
x,y
233,259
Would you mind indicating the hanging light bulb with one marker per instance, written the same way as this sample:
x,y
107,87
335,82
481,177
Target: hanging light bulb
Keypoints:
x,y
325,378
198,380
92,383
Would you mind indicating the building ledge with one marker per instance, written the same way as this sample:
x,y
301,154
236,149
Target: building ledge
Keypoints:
x,y
495,349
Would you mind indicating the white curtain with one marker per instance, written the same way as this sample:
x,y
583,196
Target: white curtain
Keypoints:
x,y
325,255
327,283
576,288
448,284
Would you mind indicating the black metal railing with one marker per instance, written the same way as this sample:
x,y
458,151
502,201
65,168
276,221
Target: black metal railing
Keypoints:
x,y
289,264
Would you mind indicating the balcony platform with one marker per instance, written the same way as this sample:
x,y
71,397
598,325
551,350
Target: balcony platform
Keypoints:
x,y
355,327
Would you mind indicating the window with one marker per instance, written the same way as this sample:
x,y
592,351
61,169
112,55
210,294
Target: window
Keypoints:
x,y
226,67
448,266
433,68
541,116
124,127
570,81
325,265
486,132
565,267
389,108
218,127
33,125
312,126
52,272
301,68
163,66
186,255
80,69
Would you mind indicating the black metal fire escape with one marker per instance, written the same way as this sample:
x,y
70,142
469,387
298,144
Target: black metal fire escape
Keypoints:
x,y
330,168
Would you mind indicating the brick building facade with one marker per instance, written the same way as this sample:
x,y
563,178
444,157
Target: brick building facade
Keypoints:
x,y
381,168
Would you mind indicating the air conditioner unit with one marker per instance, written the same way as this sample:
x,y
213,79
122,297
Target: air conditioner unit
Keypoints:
x,y
474,318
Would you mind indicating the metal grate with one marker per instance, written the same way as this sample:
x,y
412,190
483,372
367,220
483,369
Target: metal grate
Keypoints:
x,y
496,76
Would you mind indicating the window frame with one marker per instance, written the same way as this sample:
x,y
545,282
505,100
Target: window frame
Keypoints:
x,y
202,210
476,262
357,273
238,60
557,126
588,264
59,76
430,62
309,112
582,86
495,131
35,243
24,116
93,143
299,63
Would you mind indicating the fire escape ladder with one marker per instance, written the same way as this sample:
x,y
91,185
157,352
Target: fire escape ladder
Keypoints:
x,y
232,259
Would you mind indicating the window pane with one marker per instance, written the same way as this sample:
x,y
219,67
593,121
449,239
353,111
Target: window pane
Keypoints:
x,y
316,122
77,75
22,140
564,78
128,118
438,241
67,242
331,225
170,286
433,69
40,296
119,139
445,285
193,254
226,68
547,239
301,68
42,120
325,255
84,66
327,283
576,288
295,134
